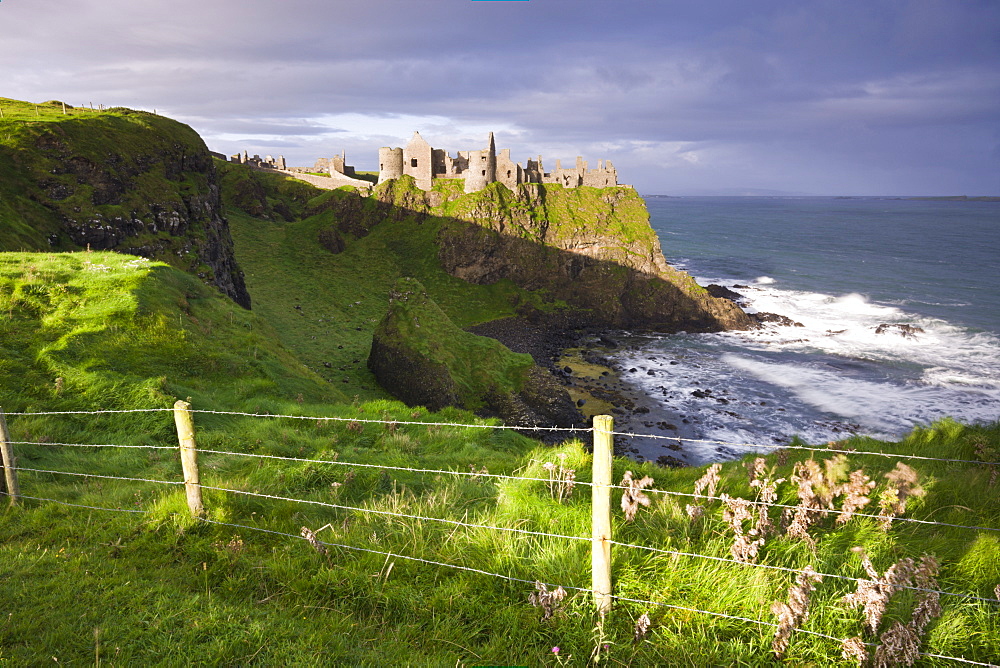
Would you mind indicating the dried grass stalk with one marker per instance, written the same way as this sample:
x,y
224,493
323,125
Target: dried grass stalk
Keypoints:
x,y
746,545
708,482
547,600
792,614
903,484
562,480
694,512
642,627
874,594
310,536
899,646
854,648
633,496
855,494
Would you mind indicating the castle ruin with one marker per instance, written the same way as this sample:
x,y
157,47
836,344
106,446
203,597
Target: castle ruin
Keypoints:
x,y
483,167
256,161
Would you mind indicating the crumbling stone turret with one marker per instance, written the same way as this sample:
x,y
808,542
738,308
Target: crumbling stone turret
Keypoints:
x,y
480,168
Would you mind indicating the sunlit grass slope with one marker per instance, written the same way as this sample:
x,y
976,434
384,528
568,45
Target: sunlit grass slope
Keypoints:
x,y
109,331
85,584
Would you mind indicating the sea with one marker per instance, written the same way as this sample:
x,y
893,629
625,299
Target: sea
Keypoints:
x,y
894,306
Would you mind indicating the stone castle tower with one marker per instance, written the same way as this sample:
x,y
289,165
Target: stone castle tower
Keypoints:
x,y
480,168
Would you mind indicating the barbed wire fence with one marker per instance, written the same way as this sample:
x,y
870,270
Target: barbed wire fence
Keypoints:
x,y
601,485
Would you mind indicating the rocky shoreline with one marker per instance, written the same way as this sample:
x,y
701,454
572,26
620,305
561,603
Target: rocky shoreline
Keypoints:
x,y
581,359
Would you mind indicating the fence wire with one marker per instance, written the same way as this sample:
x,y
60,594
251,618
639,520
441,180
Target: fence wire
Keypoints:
x,y
95,475
847,451
392,514
397,422
585,483
580,538
474,475
535,428
77,505
96,445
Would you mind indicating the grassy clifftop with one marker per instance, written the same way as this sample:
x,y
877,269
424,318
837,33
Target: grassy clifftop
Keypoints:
x,y
120,180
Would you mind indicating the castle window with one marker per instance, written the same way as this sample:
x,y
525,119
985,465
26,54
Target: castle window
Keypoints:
x,y
413,162
484,172
508,173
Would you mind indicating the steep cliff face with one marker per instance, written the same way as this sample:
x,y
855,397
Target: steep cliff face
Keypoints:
x,y
126,181
593,248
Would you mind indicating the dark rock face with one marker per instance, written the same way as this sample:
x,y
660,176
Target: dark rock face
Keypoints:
x,y
195,224
906,331
332,240
723,292
764,318
144,185
411,377
542,401
592,248
632,287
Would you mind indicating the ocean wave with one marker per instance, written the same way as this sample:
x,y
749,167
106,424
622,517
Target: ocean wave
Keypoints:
x,y
848,365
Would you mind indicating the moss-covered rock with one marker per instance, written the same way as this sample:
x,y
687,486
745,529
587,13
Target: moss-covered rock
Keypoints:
x,y
420,356
121,180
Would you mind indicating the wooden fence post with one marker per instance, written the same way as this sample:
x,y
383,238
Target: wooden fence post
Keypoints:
x,y
7,452
189,456
601,546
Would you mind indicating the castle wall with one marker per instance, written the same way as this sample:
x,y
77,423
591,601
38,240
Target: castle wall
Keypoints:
x,y
418,161
508,172
480,168
475,175
390,163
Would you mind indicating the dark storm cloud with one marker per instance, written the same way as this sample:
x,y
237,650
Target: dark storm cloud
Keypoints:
x,y
877,96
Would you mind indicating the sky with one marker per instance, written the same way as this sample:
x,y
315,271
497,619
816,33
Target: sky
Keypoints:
x,y
727,97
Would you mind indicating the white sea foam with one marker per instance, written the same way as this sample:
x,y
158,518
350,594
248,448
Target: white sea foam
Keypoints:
x,y
848,325
830,375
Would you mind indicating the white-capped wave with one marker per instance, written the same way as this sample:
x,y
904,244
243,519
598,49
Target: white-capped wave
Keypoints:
x,y
764,280
875,405
830,374
852,326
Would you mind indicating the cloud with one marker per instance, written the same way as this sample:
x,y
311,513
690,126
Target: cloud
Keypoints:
x,y
803,95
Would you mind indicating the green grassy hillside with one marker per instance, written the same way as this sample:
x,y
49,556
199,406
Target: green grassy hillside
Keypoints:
x,y
102,330
98,331
421,565
325,306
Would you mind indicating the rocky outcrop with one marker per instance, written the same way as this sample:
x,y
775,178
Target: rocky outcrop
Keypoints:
x,y
763,318
422,358
130,182
593,248
903,330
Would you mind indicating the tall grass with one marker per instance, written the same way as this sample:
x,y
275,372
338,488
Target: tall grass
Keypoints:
x,y
154,583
